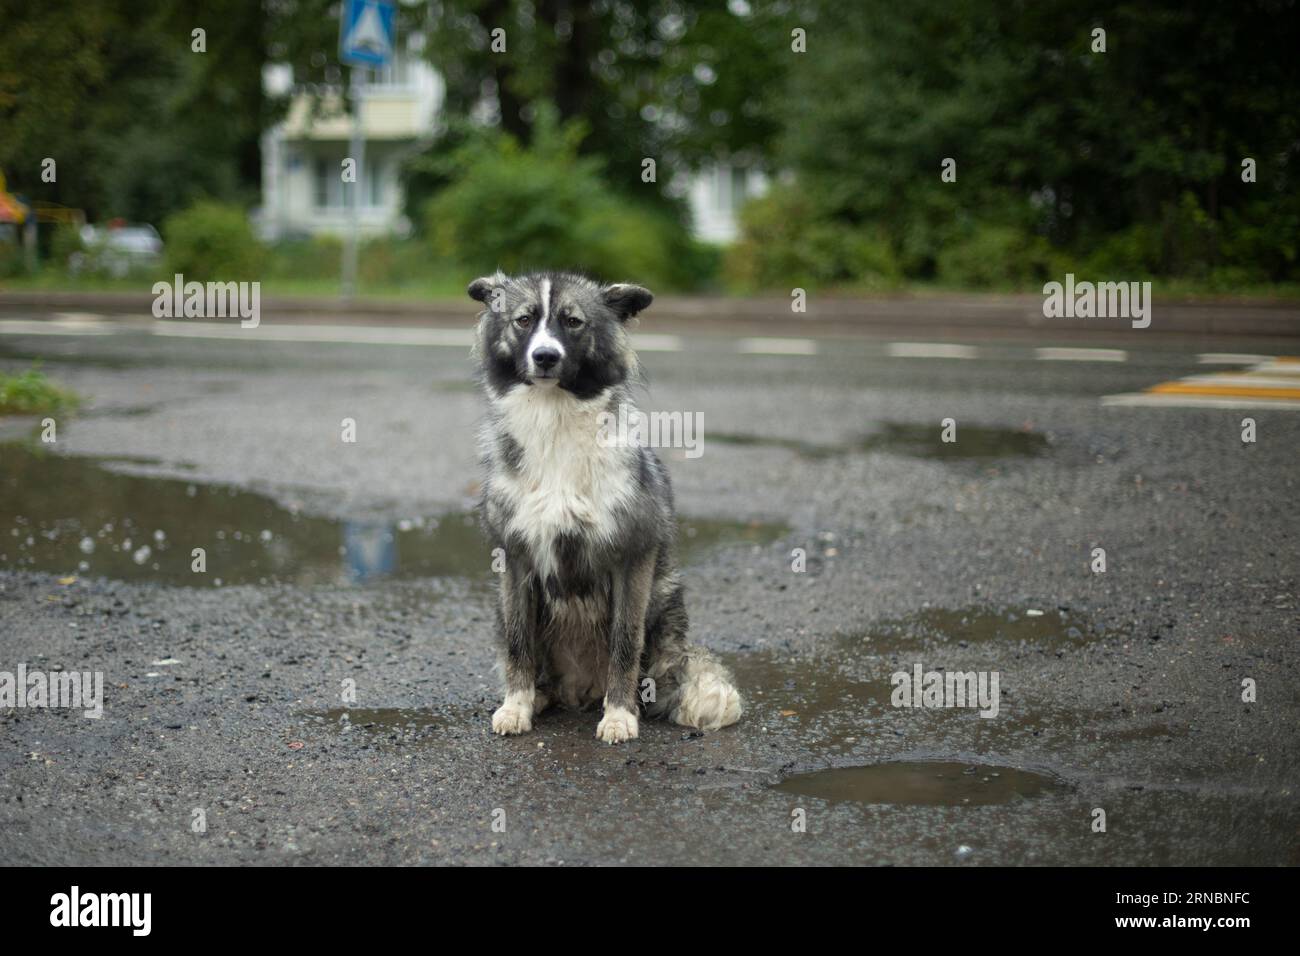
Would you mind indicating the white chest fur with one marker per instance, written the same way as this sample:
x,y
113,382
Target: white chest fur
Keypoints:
x,y
568,480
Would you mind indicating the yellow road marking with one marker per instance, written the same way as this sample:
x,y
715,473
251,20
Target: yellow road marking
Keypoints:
x,y
1235,391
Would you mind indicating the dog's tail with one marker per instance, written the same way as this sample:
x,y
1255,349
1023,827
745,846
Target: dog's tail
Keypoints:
x,y
693,688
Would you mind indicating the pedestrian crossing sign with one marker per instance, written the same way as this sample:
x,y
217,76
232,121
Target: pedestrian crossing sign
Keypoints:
x,y
366,33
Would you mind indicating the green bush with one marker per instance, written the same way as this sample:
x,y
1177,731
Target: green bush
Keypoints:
x,y
546,207
392,262
12,261
1262,239
785,243
1134,253
212,241
318,257
991,257
65,243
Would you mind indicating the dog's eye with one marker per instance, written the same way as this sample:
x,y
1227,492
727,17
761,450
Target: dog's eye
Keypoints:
x,y
525,320
572,322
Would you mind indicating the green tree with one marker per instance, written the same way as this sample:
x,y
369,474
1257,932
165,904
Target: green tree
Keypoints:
x,y
1050,137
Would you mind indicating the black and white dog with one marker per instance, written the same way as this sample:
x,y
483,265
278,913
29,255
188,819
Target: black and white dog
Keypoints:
x,y
591,601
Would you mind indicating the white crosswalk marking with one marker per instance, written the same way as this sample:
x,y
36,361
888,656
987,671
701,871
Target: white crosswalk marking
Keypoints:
x,y
1268,383
1229,358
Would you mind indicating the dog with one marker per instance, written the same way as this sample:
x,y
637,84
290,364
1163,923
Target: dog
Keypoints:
x,y
591,606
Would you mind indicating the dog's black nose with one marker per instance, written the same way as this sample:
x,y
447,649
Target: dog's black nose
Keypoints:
x,y
545,359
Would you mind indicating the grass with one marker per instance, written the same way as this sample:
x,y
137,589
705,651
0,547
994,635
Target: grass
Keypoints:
x,y
31,393
441,281
422,289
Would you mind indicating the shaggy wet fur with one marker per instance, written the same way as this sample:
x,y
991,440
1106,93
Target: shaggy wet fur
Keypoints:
x,y
591,602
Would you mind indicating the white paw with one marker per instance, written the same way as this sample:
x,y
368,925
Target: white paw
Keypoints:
x,y
515,716
618,724
708,702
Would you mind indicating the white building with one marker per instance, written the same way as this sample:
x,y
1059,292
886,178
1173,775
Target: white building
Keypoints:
x,y
302,182
716,194
302,157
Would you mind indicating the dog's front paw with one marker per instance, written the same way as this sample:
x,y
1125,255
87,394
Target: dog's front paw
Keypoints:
x,y
515,716
618,724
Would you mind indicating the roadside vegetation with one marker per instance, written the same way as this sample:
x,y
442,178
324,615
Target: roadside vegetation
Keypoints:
x,y
982,145
31,393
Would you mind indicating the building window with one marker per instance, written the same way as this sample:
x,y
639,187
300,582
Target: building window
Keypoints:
x,y
330,192
739,187
323,178
396,74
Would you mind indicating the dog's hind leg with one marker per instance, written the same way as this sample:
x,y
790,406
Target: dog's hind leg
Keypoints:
x,y
695,690
690,685
541,700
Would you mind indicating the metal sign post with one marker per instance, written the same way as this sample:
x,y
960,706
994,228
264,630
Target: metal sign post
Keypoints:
x,y
357,149
365,41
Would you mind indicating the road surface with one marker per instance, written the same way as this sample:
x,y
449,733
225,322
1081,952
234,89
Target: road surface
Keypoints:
x,y
321,692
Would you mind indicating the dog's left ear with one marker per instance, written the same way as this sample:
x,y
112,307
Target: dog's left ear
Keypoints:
x,y
627,300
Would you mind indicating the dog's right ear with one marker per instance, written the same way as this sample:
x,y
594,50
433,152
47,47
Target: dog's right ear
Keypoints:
x,y
481,288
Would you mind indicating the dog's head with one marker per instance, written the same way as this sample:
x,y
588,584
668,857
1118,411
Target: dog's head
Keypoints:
x,y
555,330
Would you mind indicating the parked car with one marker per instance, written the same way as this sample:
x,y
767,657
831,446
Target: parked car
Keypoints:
x,y
118,248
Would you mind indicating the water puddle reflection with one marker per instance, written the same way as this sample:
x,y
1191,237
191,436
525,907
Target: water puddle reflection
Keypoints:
x,y
77,515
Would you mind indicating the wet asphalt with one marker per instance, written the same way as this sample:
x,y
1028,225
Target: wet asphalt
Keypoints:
x,y
336,566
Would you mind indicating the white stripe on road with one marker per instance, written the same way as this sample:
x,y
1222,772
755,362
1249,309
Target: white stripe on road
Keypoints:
x,y
78,317
931,350
1080,355
56,327
658,343
762,346
1230,358
342,334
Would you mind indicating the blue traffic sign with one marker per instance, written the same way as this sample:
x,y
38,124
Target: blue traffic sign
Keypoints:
x,y
366,33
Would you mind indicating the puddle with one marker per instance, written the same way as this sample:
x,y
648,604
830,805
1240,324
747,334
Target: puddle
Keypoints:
x,y
74,515
819,695
917,441
975,625
697,536
405,725
922,783
840,701
925,441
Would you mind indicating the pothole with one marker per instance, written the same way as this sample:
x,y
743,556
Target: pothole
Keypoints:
x,y
1043,624
392,724
922,783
